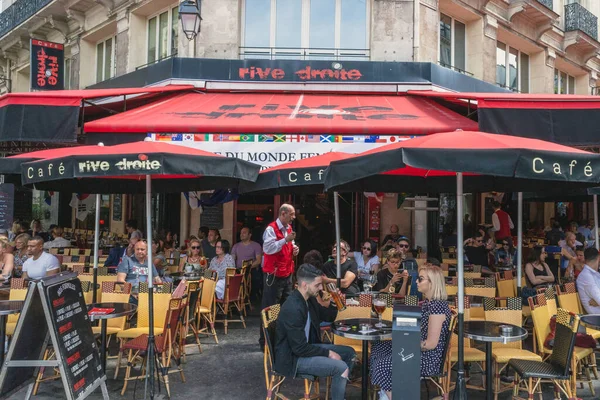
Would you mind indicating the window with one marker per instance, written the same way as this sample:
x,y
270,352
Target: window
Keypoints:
x,y
163,35
105,59
512,68
308,29
452,43
563,83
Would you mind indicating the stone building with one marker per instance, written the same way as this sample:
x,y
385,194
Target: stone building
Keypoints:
x,y
528,46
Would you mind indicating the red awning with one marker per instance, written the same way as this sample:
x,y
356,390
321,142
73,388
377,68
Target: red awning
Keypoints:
x,y
74,97
53,117
566,119
285,113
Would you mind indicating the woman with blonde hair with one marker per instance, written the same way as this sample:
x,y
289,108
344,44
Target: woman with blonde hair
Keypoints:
x,y
435,322
192,260
20,252
6,259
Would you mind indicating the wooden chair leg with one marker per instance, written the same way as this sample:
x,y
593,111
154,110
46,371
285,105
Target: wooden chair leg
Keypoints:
x,y
119,357
130,359
307,389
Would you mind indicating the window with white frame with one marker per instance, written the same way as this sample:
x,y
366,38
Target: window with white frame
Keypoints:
x,y
563,82
105,59
453,43
512,68
312,29
163,35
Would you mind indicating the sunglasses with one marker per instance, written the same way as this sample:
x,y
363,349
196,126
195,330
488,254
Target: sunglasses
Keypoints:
x,y
421,279
405,246
367,248
195,247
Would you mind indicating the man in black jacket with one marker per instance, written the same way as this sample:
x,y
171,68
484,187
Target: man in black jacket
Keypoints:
x,y
298,346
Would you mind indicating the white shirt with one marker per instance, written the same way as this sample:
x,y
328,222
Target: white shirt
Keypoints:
x,y
58,242
588,286
36,269
496,222
270,243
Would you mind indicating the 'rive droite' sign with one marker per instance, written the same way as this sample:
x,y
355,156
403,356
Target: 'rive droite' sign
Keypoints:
x,y
47,65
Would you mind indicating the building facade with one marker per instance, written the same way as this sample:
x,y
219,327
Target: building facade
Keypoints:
x,y
528,46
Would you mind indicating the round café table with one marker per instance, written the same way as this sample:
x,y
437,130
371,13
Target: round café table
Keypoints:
x,y
490,332
120,310
354,333
7,307
591,321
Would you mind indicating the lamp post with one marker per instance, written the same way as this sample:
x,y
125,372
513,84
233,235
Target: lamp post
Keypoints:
x,y
189,14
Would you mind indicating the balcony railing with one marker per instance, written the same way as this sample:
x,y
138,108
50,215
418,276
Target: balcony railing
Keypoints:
x,y
579,18
453,68
297,53
547,3
19,12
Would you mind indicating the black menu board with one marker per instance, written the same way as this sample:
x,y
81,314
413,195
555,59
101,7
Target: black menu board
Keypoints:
x,y
211,216
7,202
73,330
117,207
54,312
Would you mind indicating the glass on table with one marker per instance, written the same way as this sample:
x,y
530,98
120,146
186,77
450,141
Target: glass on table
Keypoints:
x,y
380,305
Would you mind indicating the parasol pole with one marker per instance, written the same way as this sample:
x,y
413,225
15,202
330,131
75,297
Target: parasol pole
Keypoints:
x,y
596,222
519,241
96,242
336,209
150,352
461,388
96,246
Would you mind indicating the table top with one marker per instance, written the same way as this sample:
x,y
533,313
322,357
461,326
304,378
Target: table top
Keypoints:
x,y
590,321
487,331
10,307
121,310
354,329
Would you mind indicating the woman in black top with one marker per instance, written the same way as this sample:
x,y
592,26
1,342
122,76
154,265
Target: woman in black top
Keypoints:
x,y
537,271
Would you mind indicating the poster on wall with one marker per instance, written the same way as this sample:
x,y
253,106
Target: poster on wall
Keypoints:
x,y
46,65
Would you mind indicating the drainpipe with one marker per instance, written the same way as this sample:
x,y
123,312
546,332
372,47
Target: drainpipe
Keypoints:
x,y
416,29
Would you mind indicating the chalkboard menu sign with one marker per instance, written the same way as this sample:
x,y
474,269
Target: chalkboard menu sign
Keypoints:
x,y
7,203
54,312
76,341
117,207
211,216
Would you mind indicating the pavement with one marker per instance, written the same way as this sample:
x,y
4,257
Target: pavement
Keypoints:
x,y
233,369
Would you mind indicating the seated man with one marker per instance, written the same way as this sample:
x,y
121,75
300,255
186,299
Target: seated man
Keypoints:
x,y
117,254
40,264
348,269
391,279
135,269
575,266
298,346
588,282
58,241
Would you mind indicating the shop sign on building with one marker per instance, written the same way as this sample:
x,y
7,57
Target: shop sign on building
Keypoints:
x,y
47,65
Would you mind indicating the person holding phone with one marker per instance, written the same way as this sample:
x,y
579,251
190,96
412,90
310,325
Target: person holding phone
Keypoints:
x,y
392,279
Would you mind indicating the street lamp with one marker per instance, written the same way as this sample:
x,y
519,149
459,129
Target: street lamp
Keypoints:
x,y
189,14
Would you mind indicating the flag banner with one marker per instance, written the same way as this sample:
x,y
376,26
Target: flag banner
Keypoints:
x,y
193,199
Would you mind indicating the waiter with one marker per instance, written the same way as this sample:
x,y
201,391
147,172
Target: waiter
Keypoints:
x,y
502,223
278,261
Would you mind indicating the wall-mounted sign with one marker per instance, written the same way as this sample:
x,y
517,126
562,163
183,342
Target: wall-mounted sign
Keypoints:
x,y
46,65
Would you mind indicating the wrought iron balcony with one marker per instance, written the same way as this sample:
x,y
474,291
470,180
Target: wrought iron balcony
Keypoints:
x,y
547,3
579,18
19,12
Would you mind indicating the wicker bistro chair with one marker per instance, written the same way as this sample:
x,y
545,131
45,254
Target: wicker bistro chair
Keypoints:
x,y
471,354
18,291
113,292
568,299
503,353
441,379
559,368
193,290
273,379
584,357
161,305
166,347
246,271
206,309
232,300
550,295
210,274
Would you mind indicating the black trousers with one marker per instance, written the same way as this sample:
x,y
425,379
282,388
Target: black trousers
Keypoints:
x,y
275,291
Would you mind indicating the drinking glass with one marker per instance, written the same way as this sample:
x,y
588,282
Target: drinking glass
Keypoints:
x,y
379,305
